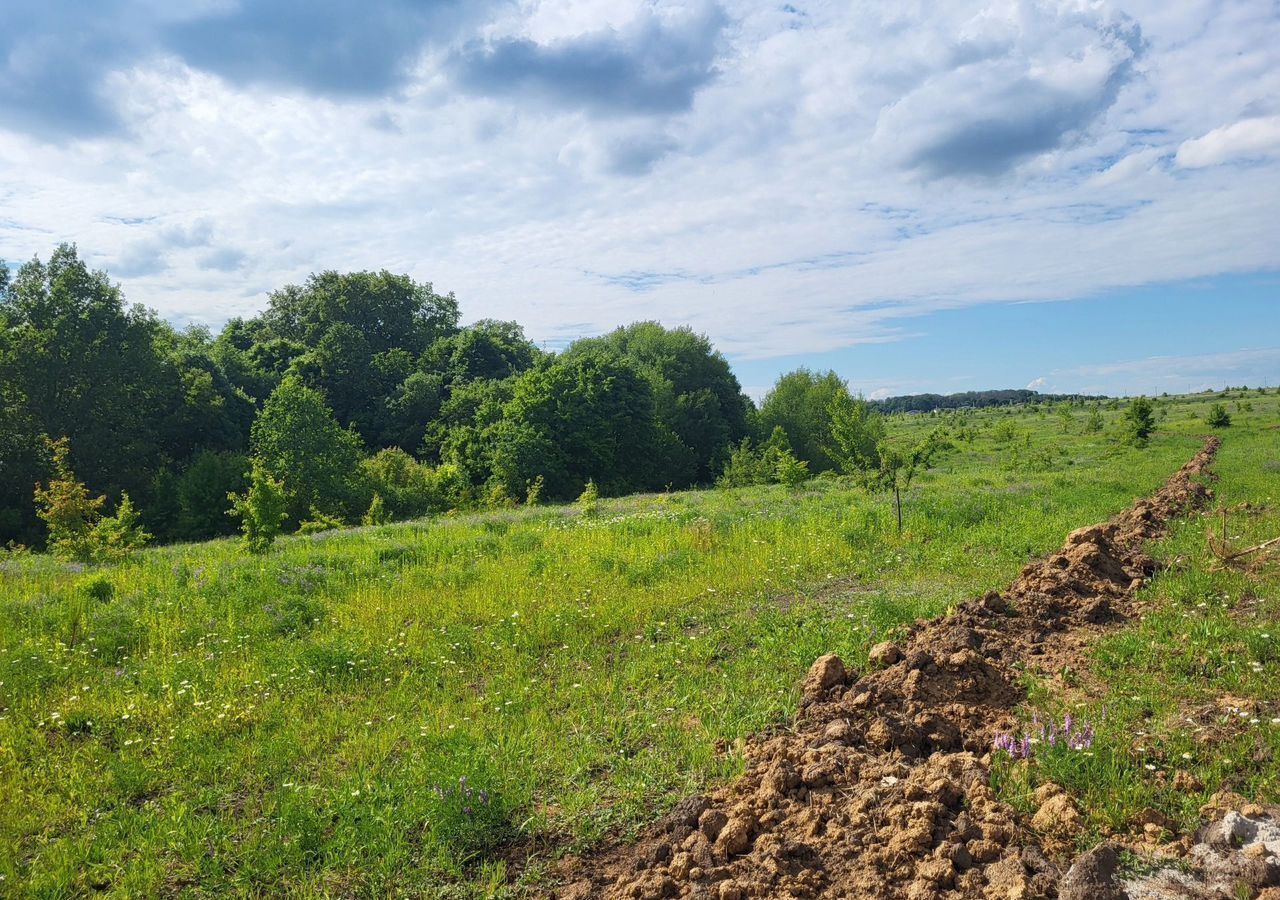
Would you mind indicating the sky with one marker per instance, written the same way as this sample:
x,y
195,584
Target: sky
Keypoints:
x,y
1071,196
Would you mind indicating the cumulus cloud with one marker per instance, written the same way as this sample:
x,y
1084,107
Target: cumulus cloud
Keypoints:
x,y
332,47
653,64
1017,85
1249,139
790,181
56,56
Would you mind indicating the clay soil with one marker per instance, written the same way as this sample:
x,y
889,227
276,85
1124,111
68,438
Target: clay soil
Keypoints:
x,y
881,788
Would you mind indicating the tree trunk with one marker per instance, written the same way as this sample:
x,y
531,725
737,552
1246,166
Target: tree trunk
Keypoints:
x,y
897,505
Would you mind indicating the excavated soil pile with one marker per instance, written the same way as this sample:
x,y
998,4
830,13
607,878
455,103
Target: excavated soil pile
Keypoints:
x,y
880,790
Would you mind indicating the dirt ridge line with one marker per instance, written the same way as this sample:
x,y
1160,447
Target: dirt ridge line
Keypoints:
x,y
881,788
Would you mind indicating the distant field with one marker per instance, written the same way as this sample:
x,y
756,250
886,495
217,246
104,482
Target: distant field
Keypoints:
x,y
381,711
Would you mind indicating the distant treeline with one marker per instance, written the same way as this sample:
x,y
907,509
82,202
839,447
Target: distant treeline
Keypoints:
x,y
971,400
362,397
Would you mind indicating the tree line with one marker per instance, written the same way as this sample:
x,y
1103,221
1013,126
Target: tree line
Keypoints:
x,y
973,400
361,397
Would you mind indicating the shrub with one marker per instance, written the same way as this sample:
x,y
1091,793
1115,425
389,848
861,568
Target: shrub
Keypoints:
x,y
262,509
98,588
115,537
377,512
746,466
791,471
409,489
1219,417
589,499
66,508
533,494
1139,422
743,468
318,522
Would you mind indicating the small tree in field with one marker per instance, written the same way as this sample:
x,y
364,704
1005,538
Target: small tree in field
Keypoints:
x,y
77,528
1093,424
116,537
791,471
1140,421
1219,417
898,468
67,508
377,512
589,499
533,491
261,509
856,433
1064,416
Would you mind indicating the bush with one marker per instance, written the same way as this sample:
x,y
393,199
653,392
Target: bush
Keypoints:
x,y
377,512
533,495
408,488
318,522
589,499
66,508
791,471
1139,422
1219,417
261,509
746,466
116,537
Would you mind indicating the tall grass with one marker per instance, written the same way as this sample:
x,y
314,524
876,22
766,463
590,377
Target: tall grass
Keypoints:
x,y
379,710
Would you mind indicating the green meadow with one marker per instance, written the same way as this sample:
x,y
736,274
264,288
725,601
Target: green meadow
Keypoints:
x,y
407,710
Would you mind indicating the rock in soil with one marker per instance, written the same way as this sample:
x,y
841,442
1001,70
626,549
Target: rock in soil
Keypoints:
x,y
881,789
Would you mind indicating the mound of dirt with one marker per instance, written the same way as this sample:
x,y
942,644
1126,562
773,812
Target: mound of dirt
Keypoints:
x,y
881,789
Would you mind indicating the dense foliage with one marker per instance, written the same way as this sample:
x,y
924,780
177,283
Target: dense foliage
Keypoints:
x,y
358,397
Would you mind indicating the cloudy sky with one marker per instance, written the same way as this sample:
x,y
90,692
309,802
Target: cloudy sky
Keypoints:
x,y
1072,195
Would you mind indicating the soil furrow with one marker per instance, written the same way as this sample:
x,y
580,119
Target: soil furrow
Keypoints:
x,y
882,787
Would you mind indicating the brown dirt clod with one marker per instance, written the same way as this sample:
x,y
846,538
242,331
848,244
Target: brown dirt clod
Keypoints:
x,y
881,789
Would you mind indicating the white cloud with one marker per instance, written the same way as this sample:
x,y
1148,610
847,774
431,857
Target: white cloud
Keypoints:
x,y
1038,384
1249,139
774,213
1176,374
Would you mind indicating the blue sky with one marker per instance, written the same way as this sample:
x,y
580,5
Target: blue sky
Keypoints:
x,y
1083,196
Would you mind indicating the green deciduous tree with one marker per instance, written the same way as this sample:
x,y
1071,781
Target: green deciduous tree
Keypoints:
x,y
696,395
300,444
801,402
898,467
856,433
587,416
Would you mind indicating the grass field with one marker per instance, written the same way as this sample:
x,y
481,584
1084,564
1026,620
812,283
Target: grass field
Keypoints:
x,y
380,711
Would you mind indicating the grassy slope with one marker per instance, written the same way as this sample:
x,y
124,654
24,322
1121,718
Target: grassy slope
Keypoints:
x,y
1191,703
207,720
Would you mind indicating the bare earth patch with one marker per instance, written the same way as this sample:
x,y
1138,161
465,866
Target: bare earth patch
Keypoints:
x,y
882,788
